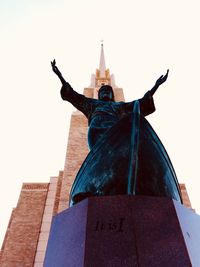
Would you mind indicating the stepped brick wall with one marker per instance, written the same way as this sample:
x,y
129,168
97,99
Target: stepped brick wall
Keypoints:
x,y
21,238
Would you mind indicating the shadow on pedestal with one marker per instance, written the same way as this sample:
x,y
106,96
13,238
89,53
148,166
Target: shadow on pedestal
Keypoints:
x,y
124,231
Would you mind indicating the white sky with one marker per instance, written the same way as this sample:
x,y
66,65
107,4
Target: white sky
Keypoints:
x,y
142,39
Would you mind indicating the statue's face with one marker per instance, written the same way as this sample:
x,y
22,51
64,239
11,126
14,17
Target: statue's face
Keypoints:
x,y
106,93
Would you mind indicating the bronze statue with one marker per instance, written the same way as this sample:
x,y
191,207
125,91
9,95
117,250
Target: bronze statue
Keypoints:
x,y
126,156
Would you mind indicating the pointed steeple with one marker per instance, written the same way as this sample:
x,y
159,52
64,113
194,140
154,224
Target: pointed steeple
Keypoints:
x,y
102,75
102,64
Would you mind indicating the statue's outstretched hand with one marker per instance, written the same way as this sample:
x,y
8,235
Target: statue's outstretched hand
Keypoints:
x,y
58,73
162,79
55,68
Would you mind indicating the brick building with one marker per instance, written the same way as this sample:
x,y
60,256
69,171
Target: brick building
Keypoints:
x,y
29,226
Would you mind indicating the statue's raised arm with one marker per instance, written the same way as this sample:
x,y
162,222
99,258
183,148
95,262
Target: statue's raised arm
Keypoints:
x,y
160,80
67,93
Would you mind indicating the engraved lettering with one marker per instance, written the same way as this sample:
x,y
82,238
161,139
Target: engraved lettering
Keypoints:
x,y
115,226
121,225
97,226
102,226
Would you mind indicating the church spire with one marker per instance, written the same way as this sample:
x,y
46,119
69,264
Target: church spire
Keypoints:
x,y
102,64
102,75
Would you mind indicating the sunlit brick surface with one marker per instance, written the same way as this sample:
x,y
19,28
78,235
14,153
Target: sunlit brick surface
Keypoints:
x,y
185,197
21,239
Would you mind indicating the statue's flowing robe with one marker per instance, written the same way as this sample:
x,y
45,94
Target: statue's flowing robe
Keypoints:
x,y
107,167
102,115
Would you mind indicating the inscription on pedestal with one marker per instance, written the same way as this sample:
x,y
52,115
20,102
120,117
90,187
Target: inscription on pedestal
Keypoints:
x,y
116,226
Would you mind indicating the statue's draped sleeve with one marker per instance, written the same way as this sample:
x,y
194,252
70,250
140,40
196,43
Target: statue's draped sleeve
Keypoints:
x,y
146,105
79,101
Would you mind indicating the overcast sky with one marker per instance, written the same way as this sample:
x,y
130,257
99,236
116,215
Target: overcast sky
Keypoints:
x,y
142,39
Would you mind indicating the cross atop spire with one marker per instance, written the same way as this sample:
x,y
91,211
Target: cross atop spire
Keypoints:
x,y
102,64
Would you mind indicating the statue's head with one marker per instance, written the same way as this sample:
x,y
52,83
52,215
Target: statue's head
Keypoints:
x,y
106,93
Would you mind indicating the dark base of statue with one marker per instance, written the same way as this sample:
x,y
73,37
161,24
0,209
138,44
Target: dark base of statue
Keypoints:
x,y
125,231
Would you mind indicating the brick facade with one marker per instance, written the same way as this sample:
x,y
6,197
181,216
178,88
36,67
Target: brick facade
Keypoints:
x,y
185,197
21,238
76,152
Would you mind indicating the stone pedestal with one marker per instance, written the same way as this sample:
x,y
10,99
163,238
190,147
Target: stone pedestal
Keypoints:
x,y
125,231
